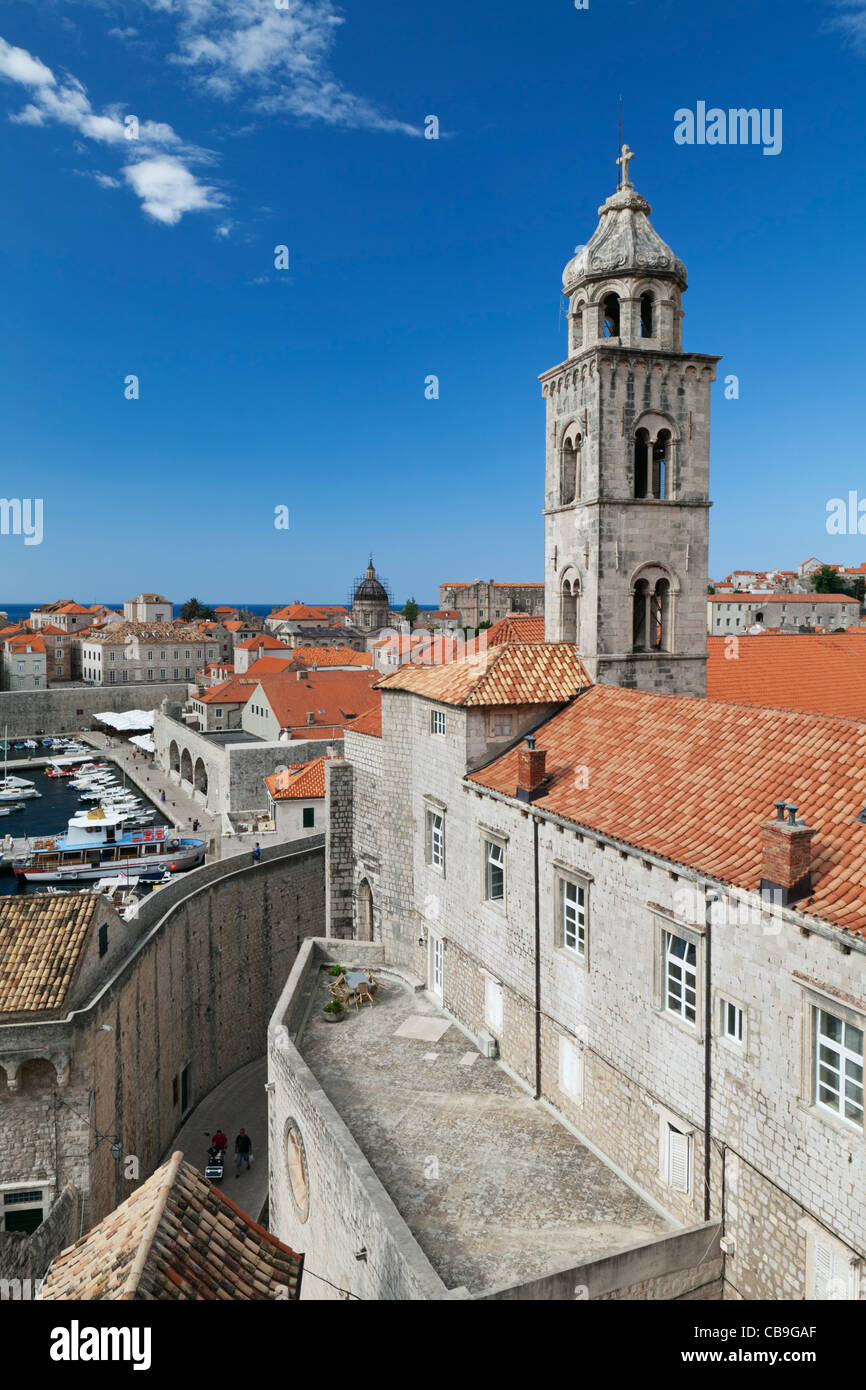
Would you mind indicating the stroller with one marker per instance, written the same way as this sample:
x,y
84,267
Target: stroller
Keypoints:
x,y
215,1166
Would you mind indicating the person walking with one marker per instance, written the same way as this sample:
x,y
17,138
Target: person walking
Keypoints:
x,y
257,853
243,1151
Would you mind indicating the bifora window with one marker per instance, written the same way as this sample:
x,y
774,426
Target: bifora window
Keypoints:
x,y
680,977
494,871
573,917
838,1066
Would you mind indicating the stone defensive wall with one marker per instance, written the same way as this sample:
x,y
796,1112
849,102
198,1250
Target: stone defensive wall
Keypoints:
x,y
64,709
185,1007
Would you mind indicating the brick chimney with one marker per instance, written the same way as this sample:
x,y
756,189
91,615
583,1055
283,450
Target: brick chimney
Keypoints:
x,y
530,769
786,855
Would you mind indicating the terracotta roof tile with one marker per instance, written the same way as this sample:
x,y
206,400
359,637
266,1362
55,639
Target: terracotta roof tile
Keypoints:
x,y
333,698
299,781
42,938
515,627
332,656
175,1238
369,723
817,674
694,780
510,674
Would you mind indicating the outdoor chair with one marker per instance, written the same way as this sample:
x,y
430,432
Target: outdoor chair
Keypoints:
x,y
363,992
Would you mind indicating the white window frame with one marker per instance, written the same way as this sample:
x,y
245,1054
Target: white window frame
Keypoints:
x,y
689,977
571,1069
732,1022
579,923
829,1056
832,1269
490,848
679,1158
437,721
493,1004
434,837
437,965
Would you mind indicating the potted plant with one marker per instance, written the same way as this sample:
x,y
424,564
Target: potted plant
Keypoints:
x,y
336,970
334,1012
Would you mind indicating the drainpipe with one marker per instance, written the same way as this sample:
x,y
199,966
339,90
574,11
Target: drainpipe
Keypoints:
x,y
537,963
710,897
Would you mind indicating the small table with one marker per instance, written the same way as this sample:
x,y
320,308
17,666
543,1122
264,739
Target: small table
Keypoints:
x,y
357,977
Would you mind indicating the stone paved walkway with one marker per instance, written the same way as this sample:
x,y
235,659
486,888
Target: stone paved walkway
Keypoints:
x,y
239,1101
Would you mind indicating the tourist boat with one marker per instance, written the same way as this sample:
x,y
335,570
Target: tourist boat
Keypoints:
x,y
96,844
16,789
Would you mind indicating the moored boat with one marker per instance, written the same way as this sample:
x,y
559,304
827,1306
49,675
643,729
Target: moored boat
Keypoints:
x,y
16,789
96,843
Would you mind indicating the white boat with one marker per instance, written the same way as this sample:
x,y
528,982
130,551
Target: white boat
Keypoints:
x,y
16,789
97,844
7,810
30,743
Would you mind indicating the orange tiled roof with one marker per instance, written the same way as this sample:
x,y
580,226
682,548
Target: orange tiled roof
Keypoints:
x,y
262,639
332,656
231,692
510,674
304,781
368,723
694,780
234,625
814,673
304,612
268,666
332,697
516,627
26,640
175,1238
42,938
52,631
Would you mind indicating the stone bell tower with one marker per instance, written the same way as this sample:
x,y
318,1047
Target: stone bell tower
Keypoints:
x,y
627,462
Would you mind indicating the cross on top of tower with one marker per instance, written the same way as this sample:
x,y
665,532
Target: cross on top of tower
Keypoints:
x,y
624,160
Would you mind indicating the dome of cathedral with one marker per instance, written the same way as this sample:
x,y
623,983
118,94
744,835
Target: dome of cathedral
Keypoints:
x,y
370,588
623,243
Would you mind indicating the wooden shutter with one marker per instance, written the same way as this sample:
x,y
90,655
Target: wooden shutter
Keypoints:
x,y
679,1154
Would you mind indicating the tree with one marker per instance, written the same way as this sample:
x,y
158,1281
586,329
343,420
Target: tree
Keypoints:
x,y
711,588
411,611
858,589
826,580
193,610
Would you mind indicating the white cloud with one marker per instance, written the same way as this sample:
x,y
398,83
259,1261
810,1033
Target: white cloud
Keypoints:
x,y
167,189
20,66
852,24
278,58
154,158
127,33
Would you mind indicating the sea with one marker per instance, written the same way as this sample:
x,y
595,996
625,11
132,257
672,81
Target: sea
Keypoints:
x,y
49,813
19,611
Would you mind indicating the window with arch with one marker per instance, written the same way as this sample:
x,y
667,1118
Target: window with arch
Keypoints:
x,y
652,613
653,458
569,467
569,608
577,325
610,316
647,315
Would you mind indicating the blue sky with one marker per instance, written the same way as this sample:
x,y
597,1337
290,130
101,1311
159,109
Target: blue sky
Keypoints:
x,y
303,127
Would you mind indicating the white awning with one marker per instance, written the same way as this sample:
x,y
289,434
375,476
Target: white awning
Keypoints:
x,y
129,719
144,741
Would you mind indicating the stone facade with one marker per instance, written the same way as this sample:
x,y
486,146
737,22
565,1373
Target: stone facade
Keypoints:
x,y
785,1176
732,613
627,464
187,1005
484,601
